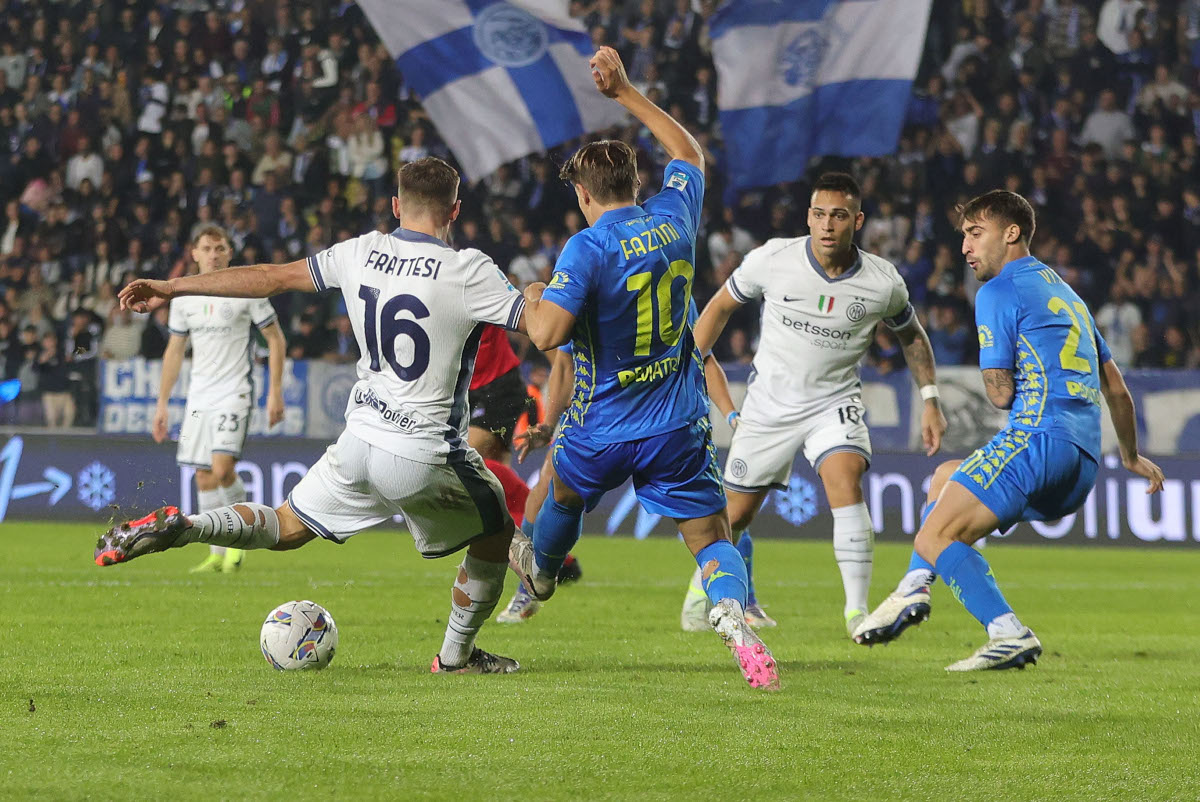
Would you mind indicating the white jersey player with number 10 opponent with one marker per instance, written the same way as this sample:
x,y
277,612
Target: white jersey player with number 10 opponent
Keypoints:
x,y
417,307
822,298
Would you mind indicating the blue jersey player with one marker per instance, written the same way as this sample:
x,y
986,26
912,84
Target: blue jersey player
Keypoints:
x,y
621,293
1041,357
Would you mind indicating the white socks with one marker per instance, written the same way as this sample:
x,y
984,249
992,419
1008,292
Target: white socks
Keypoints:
x,y
853,548
914,580
1005,626
210,500
235,493
476,591
226,526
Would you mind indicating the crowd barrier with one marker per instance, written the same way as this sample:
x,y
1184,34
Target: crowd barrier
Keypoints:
x,y
102,478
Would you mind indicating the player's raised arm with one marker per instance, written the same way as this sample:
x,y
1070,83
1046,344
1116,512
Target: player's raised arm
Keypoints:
x,y
256,281
1120,408
611,79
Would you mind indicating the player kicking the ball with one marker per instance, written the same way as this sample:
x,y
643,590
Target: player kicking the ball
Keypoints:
x,y
1043,358
622,294
822,298
416,306
220,394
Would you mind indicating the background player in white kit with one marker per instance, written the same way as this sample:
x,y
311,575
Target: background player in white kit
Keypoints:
x,y
822,298
416,306
220,393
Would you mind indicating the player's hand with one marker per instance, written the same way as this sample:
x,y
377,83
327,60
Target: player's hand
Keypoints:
x,y
159,429
274,408
533,438
1148,471
146,295
609,73
533,292
933,426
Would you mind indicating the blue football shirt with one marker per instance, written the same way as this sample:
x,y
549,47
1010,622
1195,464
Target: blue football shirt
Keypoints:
x,y
1031,322
628,281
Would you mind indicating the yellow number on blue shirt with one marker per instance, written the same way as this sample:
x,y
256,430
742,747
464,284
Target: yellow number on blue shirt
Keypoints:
x,y
1069,357
668,332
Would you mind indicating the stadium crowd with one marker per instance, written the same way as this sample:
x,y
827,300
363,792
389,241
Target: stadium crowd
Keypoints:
x,y
126,125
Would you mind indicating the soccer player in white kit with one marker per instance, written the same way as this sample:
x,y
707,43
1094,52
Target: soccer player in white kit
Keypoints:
x,y
822,298
416,306
221,392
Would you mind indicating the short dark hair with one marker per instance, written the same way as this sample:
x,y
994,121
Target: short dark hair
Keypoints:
x,y
429,182
838,182
607,169
1004,207
211,231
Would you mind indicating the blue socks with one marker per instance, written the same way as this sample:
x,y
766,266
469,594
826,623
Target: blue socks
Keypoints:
x,y
722,572
745,547
971,580
555,533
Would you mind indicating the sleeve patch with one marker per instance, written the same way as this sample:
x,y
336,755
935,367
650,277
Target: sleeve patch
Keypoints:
x,y
906,316
986,339
678,180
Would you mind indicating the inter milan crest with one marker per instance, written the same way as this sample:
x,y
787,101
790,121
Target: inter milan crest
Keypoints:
x,y
510,36
856,312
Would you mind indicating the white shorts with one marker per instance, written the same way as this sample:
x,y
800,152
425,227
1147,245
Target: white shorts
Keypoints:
x,y
761,455
355,486
213,430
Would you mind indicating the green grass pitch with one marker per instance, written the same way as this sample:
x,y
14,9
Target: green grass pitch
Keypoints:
x,y
147,682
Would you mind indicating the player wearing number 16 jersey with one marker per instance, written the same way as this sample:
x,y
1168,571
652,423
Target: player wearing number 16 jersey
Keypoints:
x,y
418,308
621,293
1041,357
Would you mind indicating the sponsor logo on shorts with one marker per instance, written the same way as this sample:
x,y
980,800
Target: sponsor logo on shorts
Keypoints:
x,y
738,468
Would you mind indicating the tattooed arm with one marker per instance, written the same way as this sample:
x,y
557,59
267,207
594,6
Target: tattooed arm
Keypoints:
x,y
999,385
918,353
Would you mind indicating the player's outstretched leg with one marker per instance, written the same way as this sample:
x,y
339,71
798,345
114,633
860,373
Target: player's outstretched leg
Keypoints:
x,y
908,605
245,526
209,500
477,589
723,573
958,520
235,493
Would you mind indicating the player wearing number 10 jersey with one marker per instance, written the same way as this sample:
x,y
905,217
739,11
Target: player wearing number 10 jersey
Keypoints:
x,y
418,308
621,293
1041,357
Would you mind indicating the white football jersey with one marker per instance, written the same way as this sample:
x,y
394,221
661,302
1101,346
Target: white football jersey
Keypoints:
x,y
815,329
416,306
222,355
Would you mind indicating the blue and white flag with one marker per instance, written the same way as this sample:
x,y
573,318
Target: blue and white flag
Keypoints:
x,y
499,79
804,78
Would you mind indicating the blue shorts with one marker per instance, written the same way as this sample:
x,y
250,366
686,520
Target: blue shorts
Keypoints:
x,y
675,474
1028,476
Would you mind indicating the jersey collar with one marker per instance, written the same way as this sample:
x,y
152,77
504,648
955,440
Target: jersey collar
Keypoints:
x,y
409,235
614,216
816,266
1017,264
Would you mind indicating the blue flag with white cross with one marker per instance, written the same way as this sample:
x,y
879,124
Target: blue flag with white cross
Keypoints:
x,y
499,79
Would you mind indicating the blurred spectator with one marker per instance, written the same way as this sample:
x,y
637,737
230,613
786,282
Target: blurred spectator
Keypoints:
x,y
949,335
123,337
52,383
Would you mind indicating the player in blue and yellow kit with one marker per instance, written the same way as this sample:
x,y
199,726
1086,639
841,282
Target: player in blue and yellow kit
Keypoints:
x,y
621,293
1041,357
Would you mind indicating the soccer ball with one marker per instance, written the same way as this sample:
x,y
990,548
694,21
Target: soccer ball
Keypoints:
x,y
299,635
